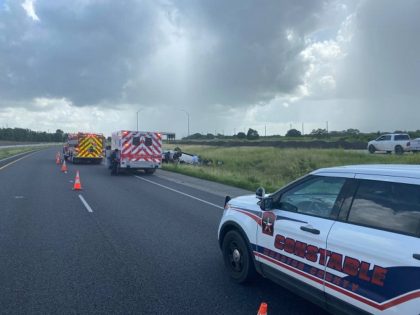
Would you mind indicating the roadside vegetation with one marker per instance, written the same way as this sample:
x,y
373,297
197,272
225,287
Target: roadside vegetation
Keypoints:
x,y
13,135
250,167
6,152
349,135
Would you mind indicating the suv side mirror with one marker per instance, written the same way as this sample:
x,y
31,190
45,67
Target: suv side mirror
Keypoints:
x,y
266,204
227,199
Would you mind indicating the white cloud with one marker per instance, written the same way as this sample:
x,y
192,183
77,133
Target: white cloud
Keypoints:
x,y
29,6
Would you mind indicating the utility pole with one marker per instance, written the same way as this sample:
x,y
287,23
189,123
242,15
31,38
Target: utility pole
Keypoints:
x,y
327,126
265,130
303,130
188,120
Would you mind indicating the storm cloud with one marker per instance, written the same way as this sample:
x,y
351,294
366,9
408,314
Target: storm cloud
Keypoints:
x,y
231,64
232,53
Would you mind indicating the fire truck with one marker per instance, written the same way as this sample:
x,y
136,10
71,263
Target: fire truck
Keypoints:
x,y
138,150
84,147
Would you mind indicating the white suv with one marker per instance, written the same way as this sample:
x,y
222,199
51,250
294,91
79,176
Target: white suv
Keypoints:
x,y
347,238
398,142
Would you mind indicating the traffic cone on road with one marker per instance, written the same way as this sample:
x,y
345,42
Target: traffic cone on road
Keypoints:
x,y
263,309
77,184
57,159
64,167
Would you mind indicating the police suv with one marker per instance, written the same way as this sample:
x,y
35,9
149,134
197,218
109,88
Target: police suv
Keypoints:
x,y
347,238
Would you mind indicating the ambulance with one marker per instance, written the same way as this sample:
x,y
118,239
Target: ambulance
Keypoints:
x,y
138,150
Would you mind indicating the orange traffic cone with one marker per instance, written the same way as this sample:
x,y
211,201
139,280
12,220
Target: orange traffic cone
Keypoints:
x,y
77,183
57,159
263,309
64,167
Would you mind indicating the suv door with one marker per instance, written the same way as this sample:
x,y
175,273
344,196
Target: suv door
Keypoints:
x,y
380,143
384,143
375,250
292,238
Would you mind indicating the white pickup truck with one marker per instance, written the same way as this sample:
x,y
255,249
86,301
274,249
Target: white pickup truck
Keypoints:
x,y
415,145
392,142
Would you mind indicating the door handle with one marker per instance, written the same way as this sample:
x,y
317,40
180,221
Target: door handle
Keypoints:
x,y
310,230
416,256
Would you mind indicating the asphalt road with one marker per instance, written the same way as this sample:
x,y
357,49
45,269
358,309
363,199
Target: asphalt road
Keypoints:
x,y
146,248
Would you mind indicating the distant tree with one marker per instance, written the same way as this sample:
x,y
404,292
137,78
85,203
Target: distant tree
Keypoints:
x,y
319,132
352,131
293,133
241,135
210,136
195,136
58,136
252,134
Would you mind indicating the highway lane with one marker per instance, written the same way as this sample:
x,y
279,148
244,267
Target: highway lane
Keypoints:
x,y
4,162
143,249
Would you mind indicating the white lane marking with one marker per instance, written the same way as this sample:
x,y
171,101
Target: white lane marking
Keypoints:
x,y
180,192
11,157
88,208
8,164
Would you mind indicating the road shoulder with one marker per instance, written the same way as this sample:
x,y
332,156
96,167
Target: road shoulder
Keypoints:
x,y
202,184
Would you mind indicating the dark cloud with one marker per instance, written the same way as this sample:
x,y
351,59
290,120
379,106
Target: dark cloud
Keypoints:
x,y
185,53
382,67
81,50
383,59
239,53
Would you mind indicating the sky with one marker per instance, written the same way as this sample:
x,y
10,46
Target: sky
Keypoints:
x,y
97,65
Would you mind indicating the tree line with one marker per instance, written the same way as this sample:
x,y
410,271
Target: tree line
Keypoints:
x,y
350,134
27,135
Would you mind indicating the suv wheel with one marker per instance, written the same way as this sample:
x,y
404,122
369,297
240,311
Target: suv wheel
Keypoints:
x,y
372,149
399,150
238,260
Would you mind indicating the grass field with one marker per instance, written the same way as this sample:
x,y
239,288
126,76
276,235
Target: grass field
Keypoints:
x,y
4,153
250,167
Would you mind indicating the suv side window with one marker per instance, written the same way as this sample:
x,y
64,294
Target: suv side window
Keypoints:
x,y
387,138
401,137
386,205
316,196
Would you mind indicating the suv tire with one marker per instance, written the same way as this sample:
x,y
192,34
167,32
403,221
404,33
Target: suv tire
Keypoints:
x,y
372,149
399,150
237,258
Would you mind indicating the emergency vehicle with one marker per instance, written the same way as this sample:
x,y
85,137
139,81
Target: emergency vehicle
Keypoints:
x,y
347,238
84,147
138,150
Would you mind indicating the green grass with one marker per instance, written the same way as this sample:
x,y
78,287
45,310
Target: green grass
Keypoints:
x,y
250,167
4,153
